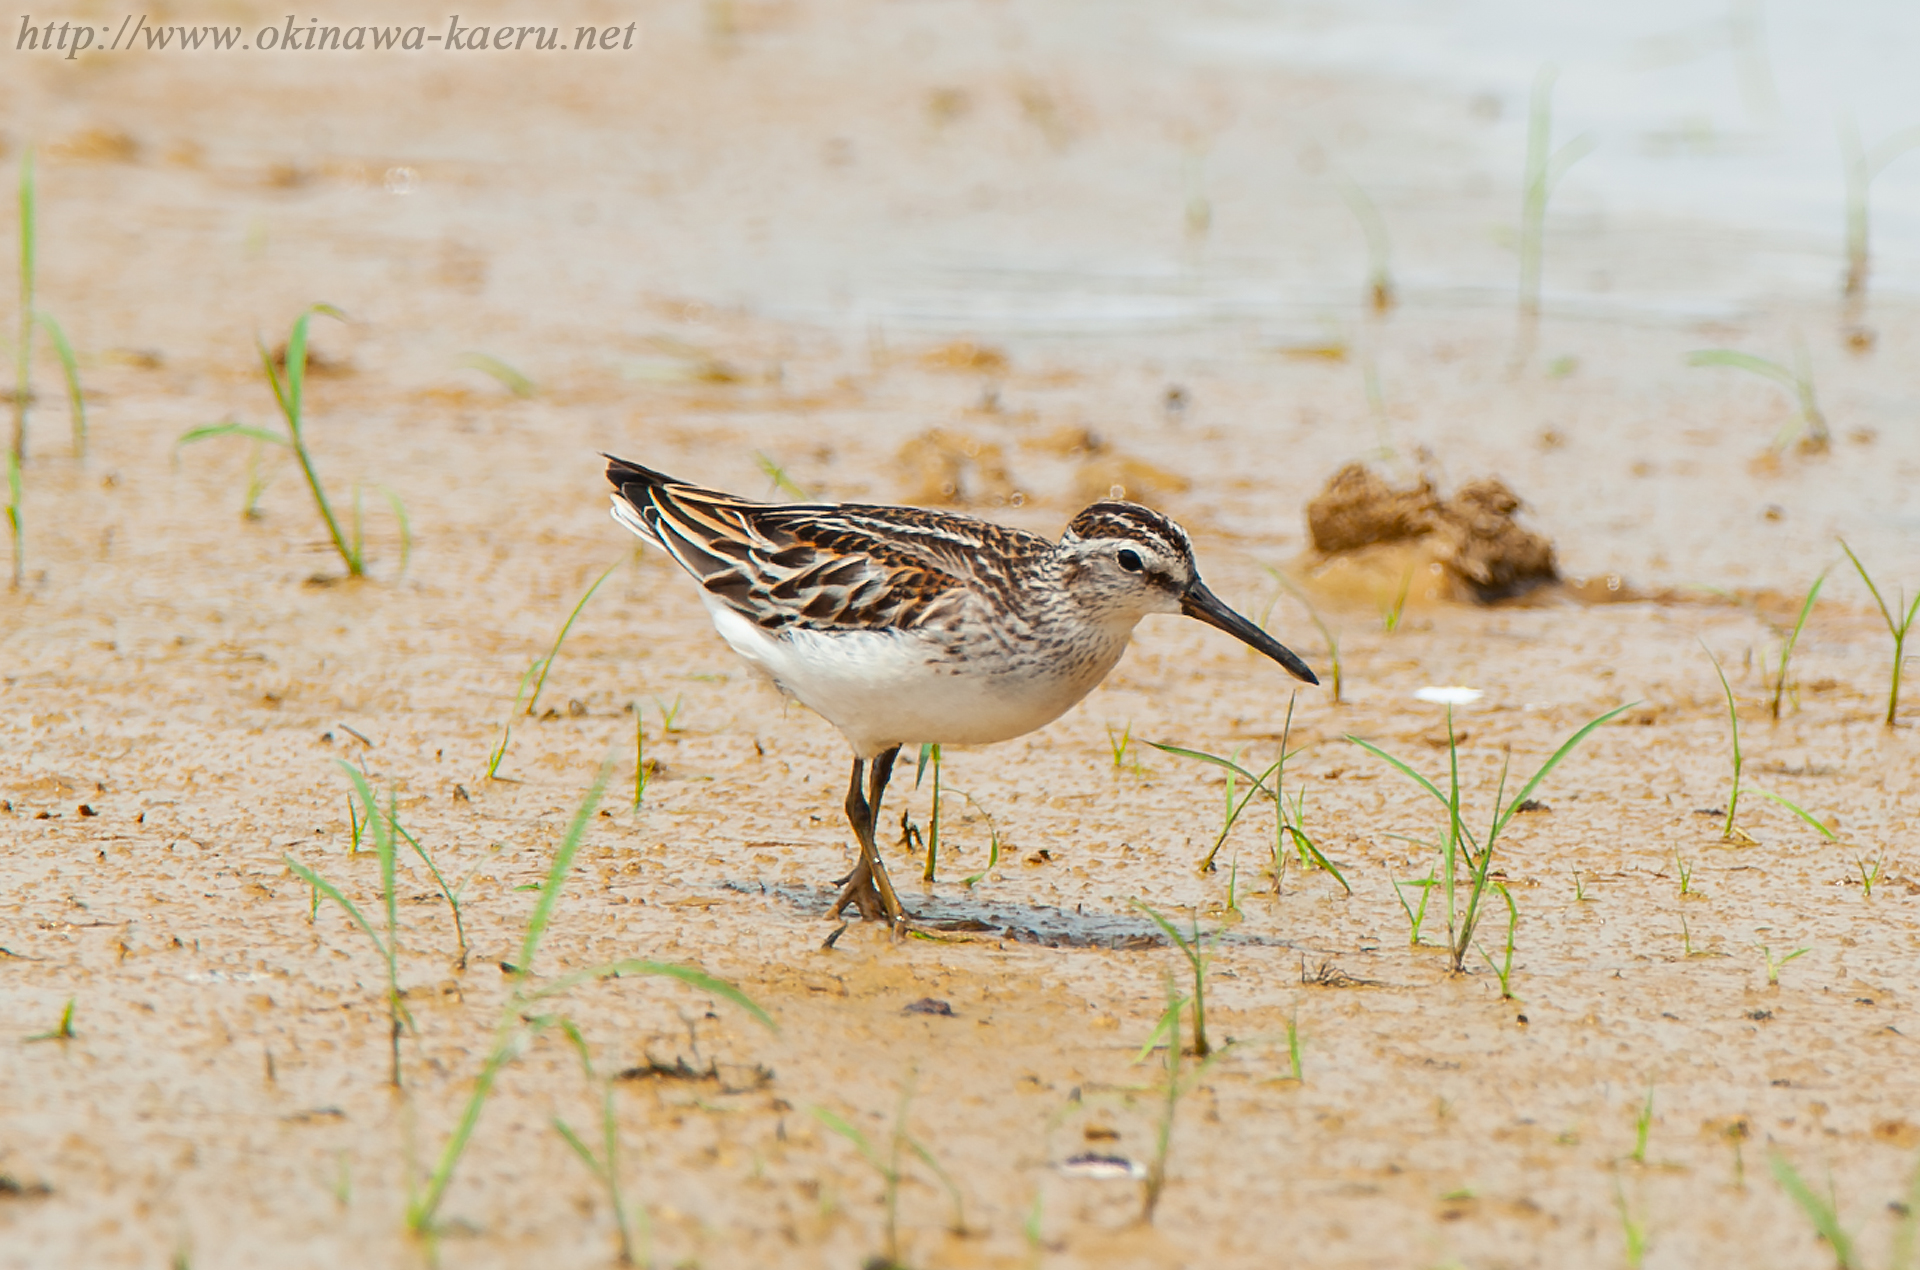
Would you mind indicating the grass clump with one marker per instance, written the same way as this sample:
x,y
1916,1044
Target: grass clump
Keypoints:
x,y
1642,1127
520,1018
1466,863
889,1166
399,1019
1897,629
1793,638
1120,745
1633,1230
1774,964
290,394
1810,422
61,1031
1289,818
1198,959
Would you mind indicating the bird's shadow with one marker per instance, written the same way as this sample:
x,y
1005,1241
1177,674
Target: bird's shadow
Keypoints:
x,y
1045,925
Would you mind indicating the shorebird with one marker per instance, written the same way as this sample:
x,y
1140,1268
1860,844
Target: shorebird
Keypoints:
x,y
903,626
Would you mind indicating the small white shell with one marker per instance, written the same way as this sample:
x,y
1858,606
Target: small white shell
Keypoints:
x,y
1450,696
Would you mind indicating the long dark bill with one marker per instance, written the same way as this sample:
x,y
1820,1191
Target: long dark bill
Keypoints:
x,y
1205,605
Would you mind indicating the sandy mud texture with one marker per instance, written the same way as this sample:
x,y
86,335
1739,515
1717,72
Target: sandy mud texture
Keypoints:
x,y
189,675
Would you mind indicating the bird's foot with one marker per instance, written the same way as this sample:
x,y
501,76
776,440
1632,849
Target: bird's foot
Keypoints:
x,y
871,892
858,890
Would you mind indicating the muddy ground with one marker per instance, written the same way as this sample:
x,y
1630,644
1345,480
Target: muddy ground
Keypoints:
x,y
183,682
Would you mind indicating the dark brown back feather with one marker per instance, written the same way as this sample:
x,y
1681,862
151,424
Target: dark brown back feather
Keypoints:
x,y
823,566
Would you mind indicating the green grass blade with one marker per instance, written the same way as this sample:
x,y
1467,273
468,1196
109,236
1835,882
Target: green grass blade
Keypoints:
x,y
1861,569
273,375
1743,361
580,1149
839,1124
1799,811
15,519
506,729
23,352
333,893
406,527
1227,763
561,638
557,874
1403,769
509,378
1173,932
421,1212
1786,650
778,477
231,430
1821,1213
76,403
953,1191
291,393
297,366
1168,1021
692,976
1526,790
1302,840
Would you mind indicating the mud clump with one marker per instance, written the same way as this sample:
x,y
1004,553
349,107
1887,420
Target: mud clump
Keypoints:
x,y
1472,537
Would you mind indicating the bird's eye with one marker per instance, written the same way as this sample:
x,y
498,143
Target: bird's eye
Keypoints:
x,y
1130,560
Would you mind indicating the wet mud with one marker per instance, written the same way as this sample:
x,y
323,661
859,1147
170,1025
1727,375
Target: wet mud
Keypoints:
x,y
188,673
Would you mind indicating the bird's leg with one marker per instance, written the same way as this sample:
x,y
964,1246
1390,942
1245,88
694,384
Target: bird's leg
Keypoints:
x,y
878,775
858,888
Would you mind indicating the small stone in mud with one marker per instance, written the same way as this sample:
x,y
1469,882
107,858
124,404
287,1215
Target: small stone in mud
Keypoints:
x,y
86,810
1759,1016
12,1187
1532,804
1099,1165
930,1005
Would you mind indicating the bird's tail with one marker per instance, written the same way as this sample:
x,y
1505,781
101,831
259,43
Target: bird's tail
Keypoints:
x,y
634,502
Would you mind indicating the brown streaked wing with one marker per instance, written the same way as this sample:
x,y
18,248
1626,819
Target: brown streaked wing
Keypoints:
x,y
824,566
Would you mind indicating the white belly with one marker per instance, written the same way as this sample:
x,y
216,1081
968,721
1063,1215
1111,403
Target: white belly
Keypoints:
x,y
883,689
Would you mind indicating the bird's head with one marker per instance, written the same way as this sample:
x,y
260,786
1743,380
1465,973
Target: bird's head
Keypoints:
x,y
1124,561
